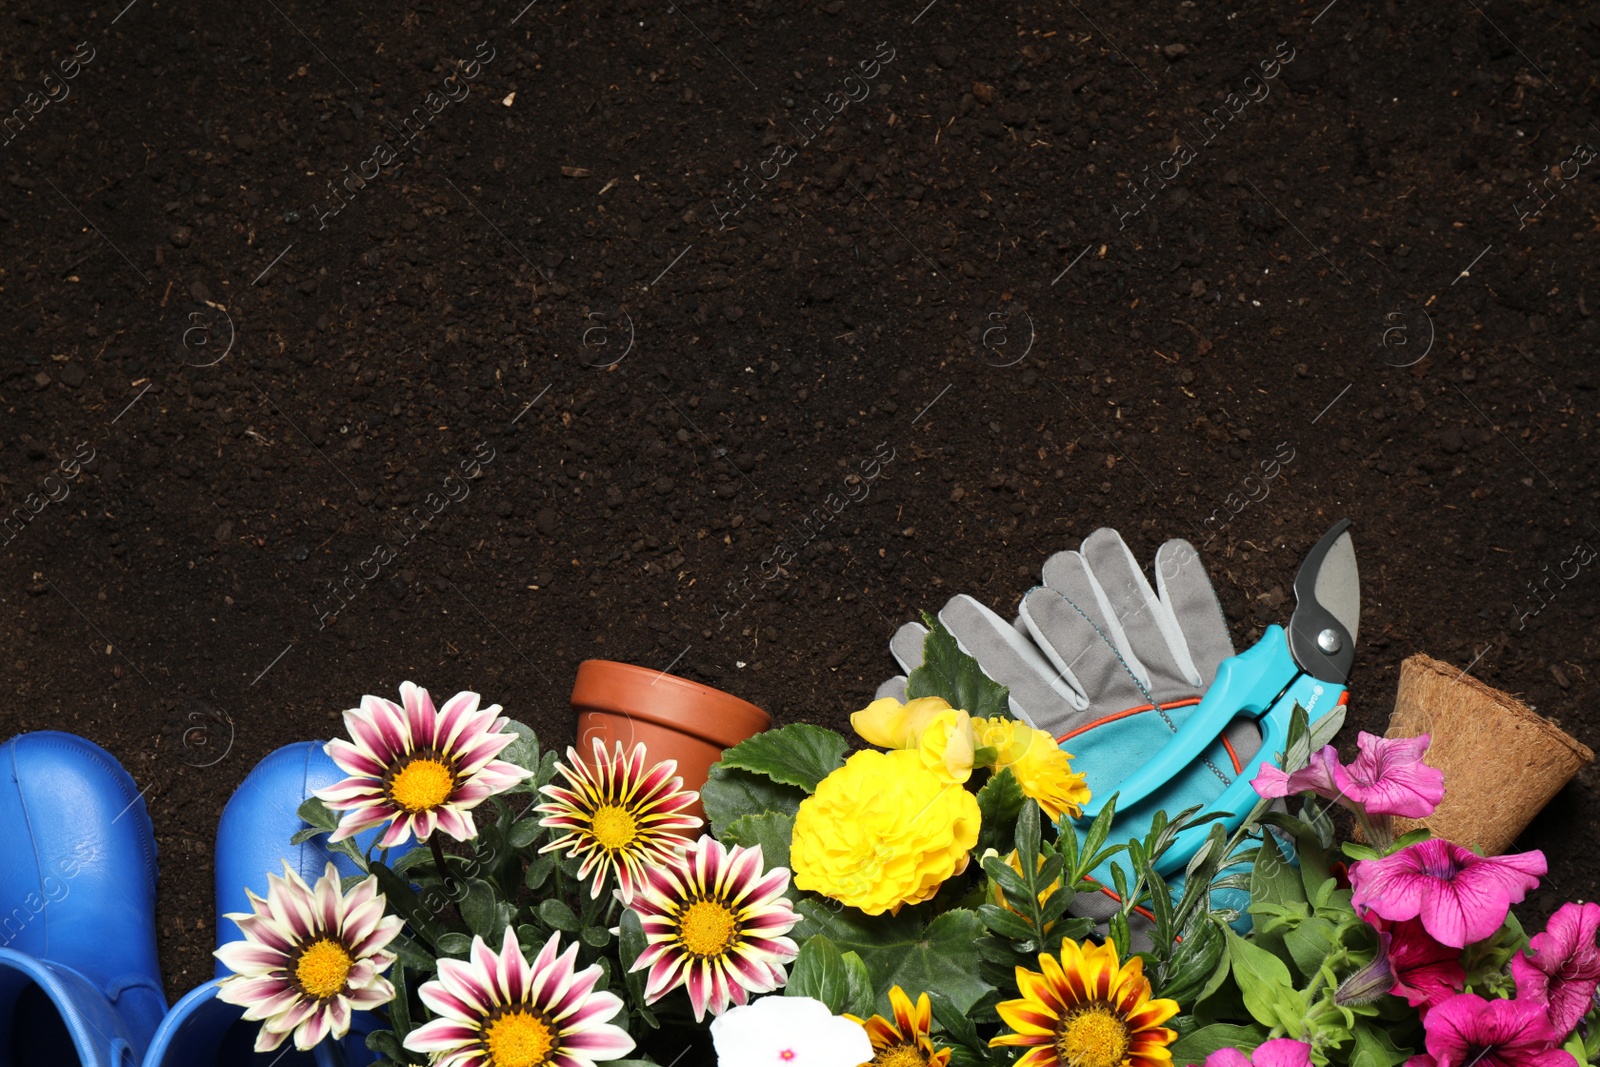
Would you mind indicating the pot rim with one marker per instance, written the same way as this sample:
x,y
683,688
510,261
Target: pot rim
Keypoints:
x,y
606,686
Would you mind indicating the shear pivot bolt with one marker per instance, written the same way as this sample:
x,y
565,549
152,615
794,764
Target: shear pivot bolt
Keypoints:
x,y
1328,641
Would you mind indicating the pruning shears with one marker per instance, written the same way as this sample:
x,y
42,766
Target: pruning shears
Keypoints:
x,y
1307,664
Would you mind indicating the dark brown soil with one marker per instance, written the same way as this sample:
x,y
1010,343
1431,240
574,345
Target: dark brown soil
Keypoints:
x,y
949,272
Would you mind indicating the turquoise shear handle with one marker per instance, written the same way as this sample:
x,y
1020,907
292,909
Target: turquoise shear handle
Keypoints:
x,y
1262,682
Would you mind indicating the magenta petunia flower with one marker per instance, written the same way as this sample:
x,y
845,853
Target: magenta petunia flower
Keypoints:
x,y
1279,1052
1425,972
1468,1030
1564,968
1459,895
1387,778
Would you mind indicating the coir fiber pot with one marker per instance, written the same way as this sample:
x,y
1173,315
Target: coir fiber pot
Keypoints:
x,y
672,717
1502,762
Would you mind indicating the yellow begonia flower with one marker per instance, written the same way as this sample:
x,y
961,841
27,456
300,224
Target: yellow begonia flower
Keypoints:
x,y
1044,771
946,746
888,723
1008,739
881,832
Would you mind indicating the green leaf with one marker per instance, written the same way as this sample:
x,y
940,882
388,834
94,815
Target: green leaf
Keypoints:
x,y
524,833
455,944
1208,1039
950,673
730,793
1309,944
1374,1047
558,915
539,871
858,985
770,830
632,942
596,936
524,751
1195,963
477,909
1008,924
1262,978
403,901
819,972
400,1006
957,1024
899,950
999,804
318,814
799,754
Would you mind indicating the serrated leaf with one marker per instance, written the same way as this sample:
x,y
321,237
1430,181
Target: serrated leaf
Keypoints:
x,y
819,972
950,673
771,830
730,793
900,950
999,803
799,755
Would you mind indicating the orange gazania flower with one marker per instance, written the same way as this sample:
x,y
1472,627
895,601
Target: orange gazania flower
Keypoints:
x,y
1086,1011
904,1042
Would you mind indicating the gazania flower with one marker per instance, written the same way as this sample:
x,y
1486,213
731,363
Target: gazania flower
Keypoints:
x,y
1085,1011
1468,1031
502,1011
617,818
787,1032
1279,1052
1563,969
1460,895
1387,778
421,768
714,922
905,1042
310,956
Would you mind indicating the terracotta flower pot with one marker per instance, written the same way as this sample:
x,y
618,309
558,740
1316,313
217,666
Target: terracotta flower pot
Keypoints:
x,y
672,717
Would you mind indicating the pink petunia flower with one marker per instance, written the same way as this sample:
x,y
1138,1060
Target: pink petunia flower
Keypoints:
x,y
1564,968
1387,778
1468,1030
1459,895
1279,1052
1425,972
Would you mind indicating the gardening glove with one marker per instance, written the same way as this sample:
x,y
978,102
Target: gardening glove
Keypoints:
x,y
1108,667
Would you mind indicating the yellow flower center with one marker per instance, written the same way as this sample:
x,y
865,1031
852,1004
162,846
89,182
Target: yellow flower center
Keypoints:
x,y
899,1056
707,928
1092,1036
613,827
322,967
519,1039
422,785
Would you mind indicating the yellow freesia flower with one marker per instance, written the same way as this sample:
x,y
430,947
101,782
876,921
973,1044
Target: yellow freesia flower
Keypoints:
x,y
882,831
888,723
946,746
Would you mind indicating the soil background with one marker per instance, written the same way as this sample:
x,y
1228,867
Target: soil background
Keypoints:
x,y
548,284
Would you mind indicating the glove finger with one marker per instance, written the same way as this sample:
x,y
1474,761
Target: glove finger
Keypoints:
x,y
1186,589
1140,625
906,645
1082,657
1009,656
894,687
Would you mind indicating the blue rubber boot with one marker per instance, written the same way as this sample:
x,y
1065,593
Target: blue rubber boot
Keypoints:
x,y
79,978
252,842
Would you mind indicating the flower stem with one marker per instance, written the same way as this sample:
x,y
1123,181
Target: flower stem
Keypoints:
x,y
444,870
